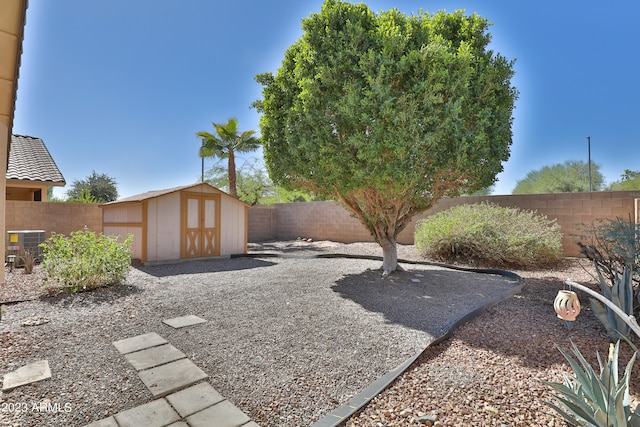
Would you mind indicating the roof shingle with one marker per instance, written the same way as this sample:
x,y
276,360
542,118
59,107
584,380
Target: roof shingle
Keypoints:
x,y
30,160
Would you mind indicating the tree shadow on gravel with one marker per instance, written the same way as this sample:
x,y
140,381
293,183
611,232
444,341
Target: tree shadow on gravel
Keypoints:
x,y
432,305
205,266
102,295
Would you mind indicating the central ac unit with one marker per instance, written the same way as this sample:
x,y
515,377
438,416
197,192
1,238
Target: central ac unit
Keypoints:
x,y
20,241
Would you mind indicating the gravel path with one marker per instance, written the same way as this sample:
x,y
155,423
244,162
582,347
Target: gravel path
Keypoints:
x,y
289,339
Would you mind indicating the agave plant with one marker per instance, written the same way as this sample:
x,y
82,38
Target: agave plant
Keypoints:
x,y
27,259
621,294
589,399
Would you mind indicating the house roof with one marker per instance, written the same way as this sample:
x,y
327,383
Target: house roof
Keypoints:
x,y
29,160
157,193
12,22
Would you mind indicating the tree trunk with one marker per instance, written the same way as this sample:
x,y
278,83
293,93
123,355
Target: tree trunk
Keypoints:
x,y
389,254
232,174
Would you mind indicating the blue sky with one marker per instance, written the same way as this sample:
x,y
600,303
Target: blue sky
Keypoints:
x,y
122,86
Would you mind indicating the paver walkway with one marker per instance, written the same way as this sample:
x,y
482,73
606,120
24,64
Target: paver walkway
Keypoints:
x,y
182,397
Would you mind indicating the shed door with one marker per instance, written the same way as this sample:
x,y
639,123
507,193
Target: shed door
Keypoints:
x,y
200,219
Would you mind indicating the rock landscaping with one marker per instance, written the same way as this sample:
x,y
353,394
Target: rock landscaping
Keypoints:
x,y
287,340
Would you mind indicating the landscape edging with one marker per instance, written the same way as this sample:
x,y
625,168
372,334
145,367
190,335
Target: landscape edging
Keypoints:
x,y
343,412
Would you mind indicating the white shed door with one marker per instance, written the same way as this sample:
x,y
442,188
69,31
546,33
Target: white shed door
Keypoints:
x,y
200,225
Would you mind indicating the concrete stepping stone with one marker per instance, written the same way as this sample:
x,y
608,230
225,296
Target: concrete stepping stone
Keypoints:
x,y
31,373
169,378
34,321
154,356
224,413
105,422
157,413
181,322
139,342
195,398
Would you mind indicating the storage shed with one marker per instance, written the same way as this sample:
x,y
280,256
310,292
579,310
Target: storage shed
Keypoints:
x,y
194,221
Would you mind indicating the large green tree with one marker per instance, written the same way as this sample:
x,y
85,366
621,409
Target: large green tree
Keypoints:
x,y
228,141
387,113
630,181
571,176
98,187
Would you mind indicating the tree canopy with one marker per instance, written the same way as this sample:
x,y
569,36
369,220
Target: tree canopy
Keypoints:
x,y
571,176
252,182
630,180
228,141
387,113
96,188
254,185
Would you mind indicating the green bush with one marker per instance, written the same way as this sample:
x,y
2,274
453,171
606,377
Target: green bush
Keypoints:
x,y
491,235
85,260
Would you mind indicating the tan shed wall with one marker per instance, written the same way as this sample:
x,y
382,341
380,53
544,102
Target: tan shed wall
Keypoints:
x,y
203,189
163,226
122,220
232,227
123,232
126,212
163,233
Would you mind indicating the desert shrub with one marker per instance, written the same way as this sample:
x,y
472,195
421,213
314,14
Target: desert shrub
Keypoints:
x,y
491,235
613,245
85,260
590,399
27,259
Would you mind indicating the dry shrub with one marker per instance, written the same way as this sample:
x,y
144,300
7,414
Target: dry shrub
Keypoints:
x,y
490,235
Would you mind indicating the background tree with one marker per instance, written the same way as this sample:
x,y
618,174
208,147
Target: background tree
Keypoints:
x,y
51,197
630,181
571,176
255,187
487,191
101,187
84,197
387,113
252,182
226,144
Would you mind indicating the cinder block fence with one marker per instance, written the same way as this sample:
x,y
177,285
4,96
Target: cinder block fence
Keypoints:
x,y
330,221
61,218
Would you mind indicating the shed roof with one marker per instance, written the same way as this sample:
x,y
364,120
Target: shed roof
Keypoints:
x,y
157,193
29,160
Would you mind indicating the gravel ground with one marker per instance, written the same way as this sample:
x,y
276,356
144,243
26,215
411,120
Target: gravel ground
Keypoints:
x,y
289,339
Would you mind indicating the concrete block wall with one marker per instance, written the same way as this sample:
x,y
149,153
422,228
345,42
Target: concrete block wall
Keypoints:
x,y
320,221
570,210
263,223
61,218
330,221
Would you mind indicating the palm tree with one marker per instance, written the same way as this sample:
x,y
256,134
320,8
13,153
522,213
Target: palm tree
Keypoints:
x,y
226,144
